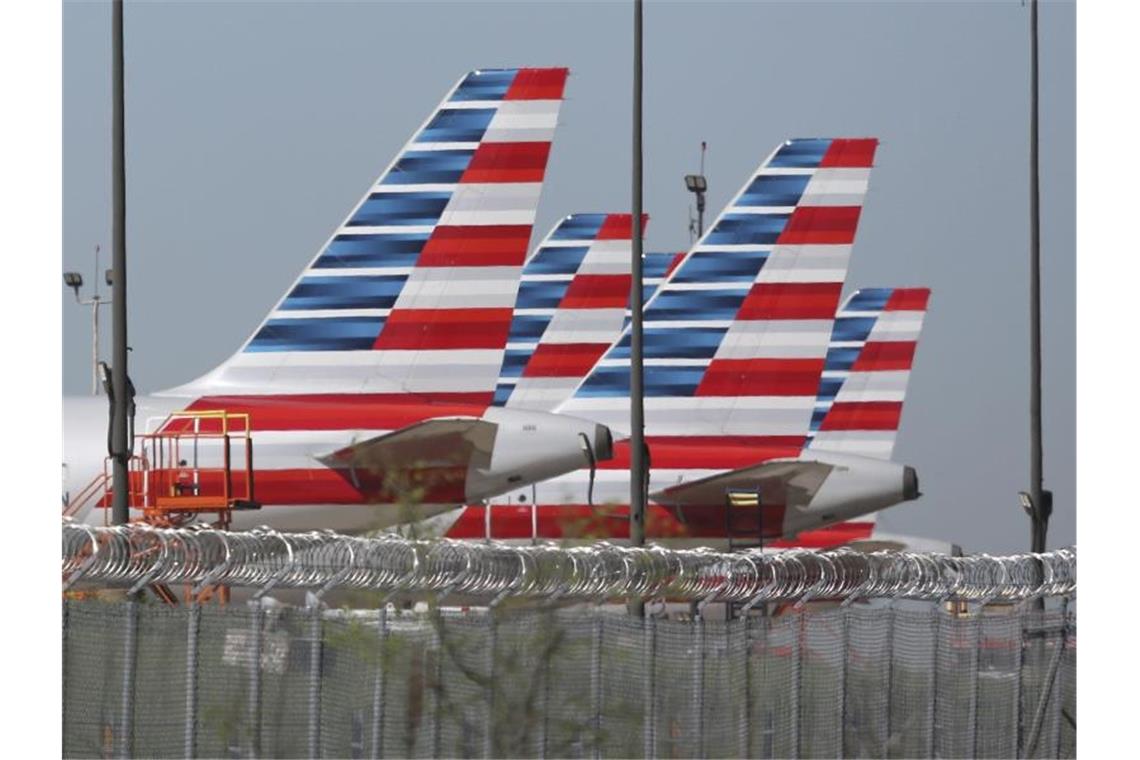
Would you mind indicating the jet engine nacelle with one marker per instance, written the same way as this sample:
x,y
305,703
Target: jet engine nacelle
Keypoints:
x,y
533,446
855,486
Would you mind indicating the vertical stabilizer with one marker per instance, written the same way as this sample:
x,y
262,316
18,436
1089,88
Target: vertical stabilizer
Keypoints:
x,y
571,306
735,339
868,366
414,291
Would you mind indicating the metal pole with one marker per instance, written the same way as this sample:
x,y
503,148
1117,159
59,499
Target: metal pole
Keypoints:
x,y
191,725
649,658
596,682
378,687
127,704
637,475
120,511
1040,516
95,346
315,644
255,681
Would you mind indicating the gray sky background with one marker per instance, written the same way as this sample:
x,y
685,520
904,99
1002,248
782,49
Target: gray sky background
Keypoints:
x,y
253,127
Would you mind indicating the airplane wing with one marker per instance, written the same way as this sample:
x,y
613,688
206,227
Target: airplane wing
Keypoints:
x,y
791,482
443,449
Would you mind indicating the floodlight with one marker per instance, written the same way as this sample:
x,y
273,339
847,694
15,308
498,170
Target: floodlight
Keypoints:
x,y
696,183
108,276
73,280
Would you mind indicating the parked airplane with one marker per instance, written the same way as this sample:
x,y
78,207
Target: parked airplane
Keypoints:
x,y
858,410
736,343
373,377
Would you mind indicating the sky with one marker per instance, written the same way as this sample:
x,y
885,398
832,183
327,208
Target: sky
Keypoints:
x,y
253,128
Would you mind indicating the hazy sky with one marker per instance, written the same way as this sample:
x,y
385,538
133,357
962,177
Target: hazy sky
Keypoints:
x,y
252,128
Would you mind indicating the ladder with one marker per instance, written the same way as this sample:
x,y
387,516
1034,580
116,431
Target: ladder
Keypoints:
x,y
743,519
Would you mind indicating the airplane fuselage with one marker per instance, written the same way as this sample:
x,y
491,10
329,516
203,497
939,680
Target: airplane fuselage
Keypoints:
x,y
290,435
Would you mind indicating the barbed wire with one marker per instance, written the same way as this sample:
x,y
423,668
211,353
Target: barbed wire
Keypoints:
x,y
136,555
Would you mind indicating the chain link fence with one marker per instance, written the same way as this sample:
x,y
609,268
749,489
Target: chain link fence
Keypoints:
x,y
874,679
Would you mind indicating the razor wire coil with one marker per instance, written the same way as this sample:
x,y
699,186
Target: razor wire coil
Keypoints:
x,y
136,555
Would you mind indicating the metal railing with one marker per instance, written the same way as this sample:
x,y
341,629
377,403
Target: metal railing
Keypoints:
x,y
136,555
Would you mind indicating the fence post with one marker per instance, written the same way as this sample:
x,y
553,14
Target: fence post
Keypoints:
x,y
1043,698
489,690
650,712
798,664
746,730
699,680
255,681
63,674
975,664
437,686
1058,700
127,706
316,643
192,622
378,687
845,649
1019,718
890,691
596,682
933,704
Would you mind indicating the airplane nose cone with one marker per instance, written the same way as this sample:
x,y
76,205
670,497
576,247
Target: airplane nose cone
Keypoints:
x,y
910,484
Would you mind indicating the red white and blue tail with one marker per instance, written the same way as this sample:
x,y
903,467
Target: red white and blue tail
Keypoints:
x,y
736,338
571,306
415,290
868,365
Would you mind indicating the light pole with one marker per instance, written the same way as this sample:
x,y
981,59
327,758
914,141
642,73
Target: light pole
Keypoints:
x,y
74,280
697,184
1038,502
638,464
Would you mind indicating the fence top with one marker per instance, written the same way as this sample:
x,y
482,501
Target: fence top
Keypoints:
x,y
136,555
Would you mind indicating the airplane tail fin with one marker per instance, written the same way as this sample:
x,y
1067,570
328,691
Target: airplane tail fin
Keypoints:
x,y
868,366
414,291
735,339
571,305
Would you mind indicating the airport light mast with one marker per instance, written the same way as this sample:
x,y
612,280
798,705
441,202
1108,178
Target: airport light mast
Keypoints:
x,y
697,184
1038,503
121,405
638,475
74,280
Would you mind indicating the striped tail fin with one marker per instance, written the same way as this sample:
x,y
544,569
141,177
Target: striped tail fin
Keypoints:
x,y
868,365
414,291
736,338
571,305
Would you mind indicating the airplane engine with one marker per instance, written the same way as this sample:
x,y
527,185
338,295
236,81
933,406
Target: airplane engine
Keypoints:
x,y
855,486
532,446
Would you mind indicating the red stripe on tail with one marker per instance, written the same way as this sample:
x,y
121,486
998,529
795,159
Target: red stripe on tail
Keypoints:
x,y
761,377
476,246
863,415
507,162
620,227
908,299
416,329
597,291
850,154
821,225
882,356
792,300
564,359
538,84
